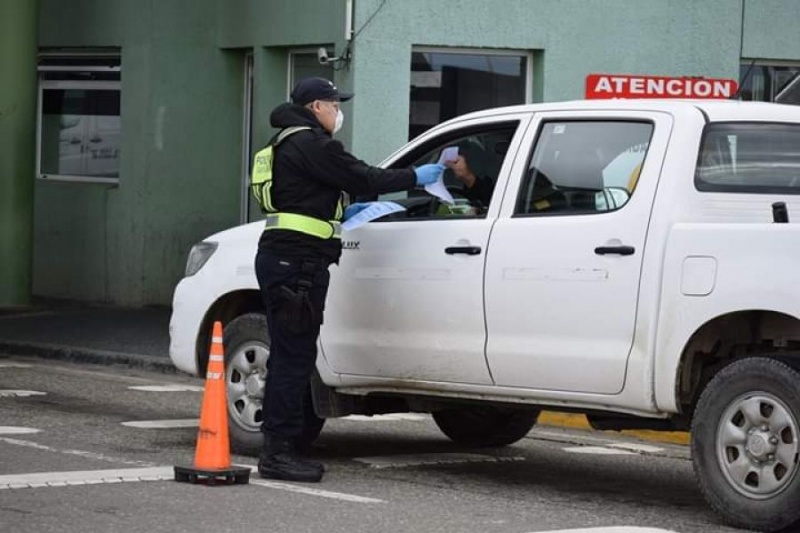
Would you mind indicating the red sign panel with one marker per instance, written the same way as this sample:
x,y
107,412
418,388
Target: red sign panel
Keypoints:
x,y
599,86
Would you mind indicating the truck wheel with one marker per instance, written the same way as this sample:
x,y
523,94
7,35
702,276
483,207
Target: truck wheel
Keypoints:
x,y
246,342
745,439
485,426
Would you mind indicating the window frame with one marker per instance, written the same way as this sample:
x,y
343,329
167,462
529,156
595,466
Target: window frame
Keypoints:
x,y
747,65
291,61
527,55
97,85
441,139
537,138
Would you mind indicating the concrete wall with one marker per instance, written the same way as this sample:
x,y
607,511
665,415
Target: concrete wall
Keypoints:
x,y
181,154
770,30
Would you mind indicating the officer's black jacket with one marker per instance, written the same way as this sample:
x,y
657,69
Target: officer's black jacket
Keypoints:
x,y
310,171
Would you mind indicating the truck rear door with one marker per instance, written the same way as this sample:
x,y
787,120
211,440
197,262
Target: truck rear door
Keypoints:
x,y
565,256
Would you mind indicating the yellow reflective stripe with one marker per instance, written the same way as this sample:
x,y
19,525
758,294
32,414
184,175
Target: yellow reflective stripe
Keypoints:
x,y
266,196
323,229
339,211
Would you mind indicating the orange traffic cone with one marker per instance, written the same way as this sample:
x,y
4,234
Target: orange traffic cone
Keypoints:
x,y
212,458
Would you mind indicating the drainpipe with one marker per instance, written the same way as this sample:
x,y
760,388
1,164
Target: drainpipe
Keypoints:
x,y
18,96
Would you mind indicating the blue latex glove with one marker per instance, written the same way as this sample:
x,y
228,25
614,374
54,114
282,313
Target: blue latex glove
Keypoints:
x,y
353,209
427,174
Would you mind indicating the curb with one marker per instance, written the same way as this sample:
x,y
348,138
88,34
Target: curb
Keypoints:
x,y
86,355
578,421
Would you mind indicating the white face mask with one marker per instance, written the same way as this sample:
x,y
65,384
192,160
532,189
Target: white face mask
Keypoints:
x,y
339,121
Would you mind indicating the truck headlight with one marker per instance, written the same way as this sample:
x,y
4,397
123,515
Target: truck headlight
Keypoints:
x,y
198,255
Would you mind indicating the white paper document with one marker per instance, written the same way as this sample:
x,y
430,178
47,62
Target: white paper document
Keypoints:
x,y
438,188
449,155
373,211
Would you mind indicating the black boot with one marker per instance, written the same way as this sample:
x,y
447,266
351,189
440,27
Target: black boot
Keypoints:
x,y
279,460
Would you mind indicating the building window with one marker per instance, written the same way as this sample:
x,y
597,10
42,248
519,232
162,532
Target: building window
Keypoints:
x,y
79,130
304,64
446,84
770,83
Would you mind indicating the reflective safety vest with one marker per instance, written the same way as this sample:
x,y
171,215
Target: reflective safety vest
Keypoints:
x,y
261,186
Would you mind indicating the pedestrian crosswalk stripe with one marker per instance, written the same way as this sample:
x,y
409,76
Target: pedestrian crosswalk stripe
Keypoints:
x,y
15,430
315,492
15,365
393,417
634,447
423,459
162,424
8,393
611,529
87,477
170,387
597,450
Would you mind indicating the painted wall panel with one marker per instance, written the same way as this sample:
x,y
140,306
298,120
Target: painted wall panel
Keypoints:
x,y
770,29
181,154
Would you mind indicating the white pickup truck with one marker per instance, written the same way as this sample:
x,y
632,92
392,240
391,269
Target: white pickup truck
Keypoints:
x,y
632,261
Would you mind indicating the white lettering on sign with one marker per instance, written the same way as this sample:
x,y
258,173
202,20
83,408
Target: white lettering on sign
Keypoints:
x,y
615,86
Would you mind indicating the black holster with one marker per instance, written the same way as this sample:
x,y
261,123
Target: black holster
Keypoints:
x,y
297,312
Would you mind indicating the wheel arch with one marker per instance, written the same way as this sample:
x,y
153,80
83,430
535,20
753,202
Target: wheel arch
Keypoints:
x,y
225,308
729,337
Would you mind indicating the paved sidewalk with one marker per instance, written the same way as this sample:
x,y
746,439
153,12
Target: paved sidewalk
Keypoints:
x,y
90,333
139,338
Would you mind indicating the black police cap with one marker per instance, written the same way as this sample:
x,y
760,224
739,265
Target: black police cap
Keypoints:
x,y
310,89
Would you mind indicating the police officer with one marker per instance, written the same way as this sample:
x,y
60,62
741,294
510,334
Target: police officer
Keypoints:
x,y
301,239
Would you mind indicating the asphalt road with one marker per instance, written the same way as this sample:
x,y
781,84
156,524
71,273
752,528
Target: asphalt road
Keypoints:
x,y
72,459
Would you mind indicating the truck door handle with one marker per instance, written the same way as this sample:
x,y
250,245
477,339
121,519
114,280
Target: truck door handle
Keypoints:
x,y
469,250
619,250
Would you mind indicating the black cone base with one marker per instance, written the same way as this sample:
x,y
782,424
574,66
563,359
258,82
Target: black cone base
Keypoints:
x,y
225,476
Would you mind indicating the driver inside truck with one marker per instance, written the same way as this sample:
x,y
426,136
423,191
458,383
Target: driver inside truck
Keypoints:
x,y
470,169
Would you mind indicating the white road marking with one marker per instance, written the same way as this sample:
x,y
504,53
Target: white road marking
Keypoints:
x,y
163,424
170,387
16,430
80,453
314,492
403,461
86,477
393,417
8,393
641,448
15,365
612,529
596,450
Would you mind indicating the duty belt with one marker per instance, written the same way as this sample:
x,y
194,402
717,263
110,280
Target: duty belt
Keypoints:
x,y
323,229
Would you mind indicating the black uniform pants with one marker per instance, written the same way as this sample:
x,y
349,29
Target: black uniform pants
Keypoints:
x,y
294,292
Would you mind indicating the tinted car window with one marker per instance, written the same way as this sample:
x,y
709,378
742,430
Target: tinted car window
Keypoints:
x,y
749,157
470,180
582,167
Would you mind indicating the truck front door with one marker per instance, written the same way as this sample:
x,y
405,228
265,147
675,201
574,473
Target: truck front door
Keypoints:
x,y
407,299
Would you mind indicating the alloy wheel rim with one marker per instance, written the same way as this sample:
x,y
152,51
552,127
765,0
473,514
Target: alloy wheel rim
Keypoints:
x,y
757,445
246,375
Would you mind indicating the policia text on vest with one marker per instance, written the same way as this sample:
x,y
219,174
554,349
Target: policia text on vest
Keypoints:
x,y
261,185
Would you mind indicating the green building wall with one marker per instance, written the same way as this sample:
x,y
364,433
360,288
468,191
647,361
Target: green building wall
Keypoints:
x,y
181,154
183,85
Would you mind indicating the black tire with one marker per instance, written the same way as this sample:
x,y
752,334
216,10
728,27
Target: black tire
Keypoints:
x,y
745,444
246,343
485,426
